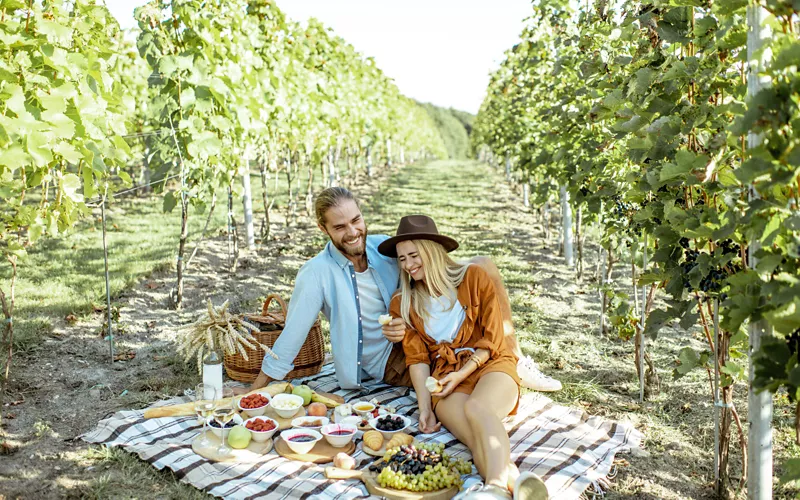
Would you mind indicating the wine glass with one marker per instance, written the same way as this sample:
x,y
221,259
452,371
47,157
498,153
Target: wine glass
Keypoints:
x,y
223,413
205,396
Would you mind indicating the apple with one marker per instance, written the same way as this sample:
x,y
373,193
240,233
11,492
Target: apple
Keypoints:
x,y
239,437
317,410
304,392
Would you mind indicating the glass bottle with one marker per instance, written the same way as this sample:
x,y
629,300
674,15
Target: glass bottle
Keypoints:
x,y
212,372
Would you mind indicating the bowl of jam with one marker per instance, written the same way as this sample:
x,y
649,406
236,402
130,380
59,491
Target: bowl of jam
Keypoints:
x,y
301,441
339,435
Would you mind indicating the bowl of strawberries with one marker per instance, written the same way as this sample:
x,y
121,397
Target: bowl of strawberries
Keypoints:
x,y
254,405
261,428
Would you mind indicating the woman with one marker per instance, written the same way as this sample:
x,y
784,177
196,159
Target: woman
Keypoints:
x,y
455,333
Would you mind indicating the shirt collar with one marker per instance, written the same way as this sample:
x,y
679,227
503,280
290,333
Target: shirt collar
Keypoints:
x,y
340,258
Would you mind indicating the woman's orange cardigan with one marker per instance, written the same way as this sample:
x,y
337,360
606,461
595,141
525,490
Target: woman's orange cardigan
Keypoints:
x,y
482,329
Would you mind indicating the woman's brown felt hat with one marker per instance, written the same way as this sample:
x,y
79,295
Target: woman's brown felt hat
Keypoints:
x,y
416,227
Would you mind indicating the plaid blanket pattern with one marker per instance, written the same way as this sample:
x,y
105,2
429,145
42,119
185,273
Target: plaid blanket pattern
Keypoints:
x,y
564,446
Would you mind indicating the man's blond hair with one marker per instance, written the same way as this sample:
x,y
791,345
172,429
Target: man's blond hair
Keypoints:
x,y
329,198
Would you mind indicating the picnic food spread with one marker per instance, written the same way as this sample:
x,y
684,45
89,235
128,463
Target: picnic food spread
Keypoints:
x,y
404,464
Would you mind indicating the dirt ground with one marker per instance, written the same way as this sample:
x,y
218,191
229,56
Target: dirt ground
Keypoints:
x,y
61,389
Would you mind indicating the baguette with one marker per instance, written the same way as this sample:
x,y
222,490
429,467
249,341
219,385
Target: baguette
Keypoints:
x,y
187,409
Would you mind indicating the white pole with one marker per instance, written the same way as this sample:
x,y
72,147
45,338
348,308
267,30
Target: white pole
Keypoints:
x,y
331,168
566,226
759,405
388,152
247,201
508,168
526,195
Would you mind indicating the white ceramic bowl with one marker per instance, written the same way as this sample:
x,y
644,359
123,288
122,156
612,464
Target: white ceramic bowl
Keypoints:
x,y
237,420
388,434
342,440
293,404
298,422
351,420
255,412
300,447
261,436
364,413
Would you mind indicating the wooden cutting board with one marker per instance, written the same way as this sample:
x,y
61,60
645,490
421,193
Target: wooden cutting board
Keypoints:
x,y
369,479
255,452
322,453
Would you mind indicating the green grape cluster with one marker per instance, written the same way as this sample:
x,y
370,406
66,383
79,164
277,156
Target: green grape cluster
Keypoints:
x,y
422,467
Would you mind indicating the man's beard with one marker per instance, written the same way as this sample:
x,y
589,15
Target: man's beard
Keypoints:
x,y
349,250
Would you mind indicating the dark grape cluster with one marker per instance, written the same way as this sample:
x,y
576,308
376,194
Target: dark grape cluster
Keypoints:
x,y
728,247
712,282
420,467
793,341
409,460
389,423
622,208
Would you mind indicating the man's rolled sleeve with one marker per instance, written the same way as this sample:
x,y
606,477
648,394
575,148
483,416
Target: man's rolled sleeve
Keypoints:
x,y
304,309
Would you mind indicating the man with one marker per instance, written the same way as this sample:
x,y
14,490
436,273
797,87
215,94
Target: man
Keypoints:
x,y
352,284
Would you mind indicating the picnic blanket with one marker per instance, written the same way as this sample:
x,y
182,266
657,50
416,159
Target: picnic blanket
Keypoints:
x,y
567,448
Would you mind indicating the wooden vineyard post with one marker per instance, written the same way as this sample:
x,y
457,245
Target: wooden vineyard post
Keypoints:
x,y
641,326
110,334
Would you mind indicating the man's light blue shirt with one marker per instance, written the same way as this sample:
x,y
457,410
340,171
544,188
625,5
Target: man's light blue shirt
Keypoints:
x,y
327,283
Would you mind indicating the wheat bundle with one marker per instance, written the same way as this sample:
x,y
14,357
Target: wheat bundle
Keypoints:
x,y
221,331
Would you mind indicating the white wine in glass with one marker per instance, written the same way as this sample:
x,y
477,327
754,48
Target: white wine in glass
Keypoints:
x,y
224,413
204,407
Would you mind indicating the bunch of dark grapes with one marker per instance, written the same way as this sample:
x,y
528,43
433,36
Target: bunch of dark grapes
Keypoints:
x,y
728,246
689,263
712,282
622,208
793,341
389,423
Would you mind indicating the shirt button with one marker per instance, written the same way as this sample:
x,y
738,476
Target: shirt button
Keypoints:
x,y
359,362
359,318
360,341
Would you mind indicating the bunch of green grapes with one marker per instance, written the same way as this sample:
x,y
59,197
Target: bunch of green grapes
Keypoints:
x,y
422,467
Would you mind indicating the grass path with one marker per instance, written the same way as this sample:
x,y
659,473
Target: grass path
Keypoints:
x,y
64,385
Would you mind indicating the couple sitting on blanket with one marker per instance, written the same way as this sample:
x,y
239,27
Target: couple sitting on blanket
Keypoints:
x,y
450,320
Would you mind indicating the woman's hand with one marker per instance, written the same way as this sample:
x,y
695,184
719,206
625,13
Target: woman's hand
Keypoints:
x,y
428,423
450,382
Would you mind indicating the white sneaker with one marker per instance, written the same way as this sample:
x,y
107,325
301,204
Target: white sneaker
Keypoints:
x,y
533,378
529,486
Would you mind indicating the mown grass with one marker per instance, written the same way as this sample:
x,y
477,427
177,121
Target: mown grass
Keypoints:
x,y
127,476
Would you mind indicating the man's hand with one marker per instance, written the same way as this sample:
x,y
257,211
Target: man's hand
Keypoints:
x,y
395,330
261,381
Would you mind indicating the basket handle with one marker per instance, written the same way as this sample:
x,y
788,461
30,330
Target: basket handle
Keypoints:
x,y
267,302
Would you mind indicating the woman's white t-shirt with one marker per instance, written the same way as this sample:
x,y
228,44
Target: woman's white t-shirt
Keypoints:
x,y
444,321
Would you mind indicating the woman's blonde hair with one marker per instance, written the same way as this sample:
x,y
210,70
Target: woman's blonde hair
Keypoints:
x,y
443,275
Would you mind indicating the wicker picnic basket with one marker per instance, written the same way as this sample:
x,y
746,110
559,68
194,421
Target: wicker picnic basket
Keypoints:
x,y
308,360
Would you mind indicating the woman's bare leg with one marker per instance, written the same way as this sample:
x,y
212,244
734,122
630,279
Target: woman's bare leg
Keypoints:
x,y
450,412
494,397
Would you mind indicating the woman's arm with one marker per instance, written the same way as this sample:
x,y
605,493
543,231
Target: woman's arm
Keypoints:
x,y
452,380
427,419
